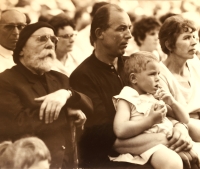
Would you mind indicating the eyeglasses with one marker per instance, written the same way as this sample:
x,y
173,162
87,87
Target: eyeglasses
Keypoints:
x,y
11,26
45,38
68,36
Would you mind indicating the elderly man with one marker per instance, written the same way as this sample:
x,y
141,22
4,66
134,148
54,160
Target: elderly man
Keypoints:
x,y
11,23
36,101
100,77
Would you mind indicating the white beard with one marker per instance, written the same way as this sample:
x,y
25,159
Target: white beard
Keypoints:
x,y
39,63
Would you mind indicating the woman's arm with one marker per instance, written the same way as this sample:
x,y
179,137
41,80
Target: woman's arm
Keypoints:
x,y
125,128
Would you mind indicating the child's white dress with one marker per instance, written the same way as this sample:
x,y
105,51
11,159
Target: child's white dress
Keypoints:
x,y
141,106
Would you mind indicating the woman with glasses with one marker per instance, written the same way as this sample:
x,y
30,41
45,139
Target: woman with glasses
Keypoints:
x,y
67,60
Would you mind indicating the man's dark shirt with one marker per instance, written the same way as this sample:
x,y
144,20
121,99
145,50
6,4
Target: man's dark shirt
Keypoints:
x,y
100,82
19,112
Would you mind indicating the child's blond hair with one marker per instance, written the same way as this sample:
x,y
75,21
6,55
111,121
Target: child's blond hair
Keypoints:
x,y
137,62
23,153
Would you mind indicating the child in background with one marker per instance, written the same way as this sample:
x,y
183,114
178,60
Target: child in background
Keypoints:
x,y
25,153
141,107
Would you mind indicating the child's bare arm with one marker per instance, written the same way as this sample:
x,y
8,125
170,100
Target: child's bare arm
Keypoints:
x,y
124,128
179,111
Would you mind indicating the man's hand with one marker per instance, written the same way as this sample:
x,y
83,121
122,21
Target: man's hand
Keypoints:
x,y
78,116
189,157
179,139
52,104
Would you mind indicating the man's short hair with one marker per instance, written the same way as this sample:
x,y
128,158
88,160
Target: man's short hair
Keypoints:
x,y
96,6
137,62
101,20
172,28
143,26
60,21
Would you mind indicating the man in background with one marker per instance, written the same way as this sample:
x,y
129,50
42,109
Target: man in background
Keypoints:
x,y
11,24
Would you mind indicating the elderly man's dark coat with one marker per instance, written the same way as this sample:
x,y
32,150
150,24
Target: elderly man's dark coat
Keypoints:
x,y
19,113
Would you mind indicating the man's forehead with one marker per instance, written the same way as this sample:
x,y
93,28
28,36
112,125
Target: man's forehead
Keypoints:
x,y
11,16
119,18
44,31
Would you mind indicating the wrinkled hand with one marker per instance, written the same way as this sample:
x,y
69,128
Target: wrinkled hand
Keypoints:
x,y
52,104
157,113
179,140
78,116
165,96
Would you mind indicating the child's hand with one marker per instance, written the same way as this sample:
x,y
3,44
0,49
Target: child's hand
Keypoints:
x,y
165,96
157,113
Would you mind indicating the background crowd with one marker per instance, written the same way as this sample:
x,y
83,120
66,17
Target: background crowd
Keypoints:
x,y
81,14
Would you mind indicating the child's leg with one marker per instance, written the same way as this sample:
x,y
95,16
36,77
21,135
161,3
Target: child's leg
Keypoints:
x,y
165,158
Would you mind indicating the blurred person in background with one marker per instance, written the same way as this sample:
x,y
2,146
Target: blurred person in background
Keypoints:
x,y
162,18
28,152
11,23
66,61
145,33
83,37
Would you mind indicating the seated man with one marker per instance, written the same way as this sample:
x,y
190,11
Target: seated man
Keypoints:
x,y
35,101
100,77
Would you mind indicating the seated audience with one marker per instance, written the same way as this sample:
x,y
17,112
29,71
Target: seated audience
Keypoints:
x,y
100,77
34,100
180,73
25,153
11,24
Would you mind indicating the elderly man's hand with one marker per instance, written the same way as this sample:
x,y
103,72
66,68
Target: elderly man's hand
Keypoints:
x,y
78,116
52,104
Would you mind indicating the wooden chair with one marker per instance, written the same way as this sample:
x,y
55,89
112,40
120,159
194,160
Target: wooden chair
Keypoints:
x,y
74,144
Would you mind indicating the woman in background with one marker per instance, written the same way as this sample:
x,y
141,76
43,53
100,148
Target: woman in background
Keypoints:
x,y
180,72
145,33
68,58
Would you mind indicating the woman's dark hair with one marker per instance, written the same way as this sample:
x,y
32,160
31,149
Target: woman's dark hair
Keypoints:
x,y
171,29
144,25
101,20
60,21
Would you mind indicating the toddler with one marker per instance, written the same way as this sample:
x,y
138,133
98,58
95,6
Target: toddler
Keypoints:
x,y
141,107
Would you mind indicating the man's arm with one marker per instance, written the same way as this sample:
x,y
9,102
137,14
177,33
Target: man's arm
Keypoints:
x,y
83,84
51,104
